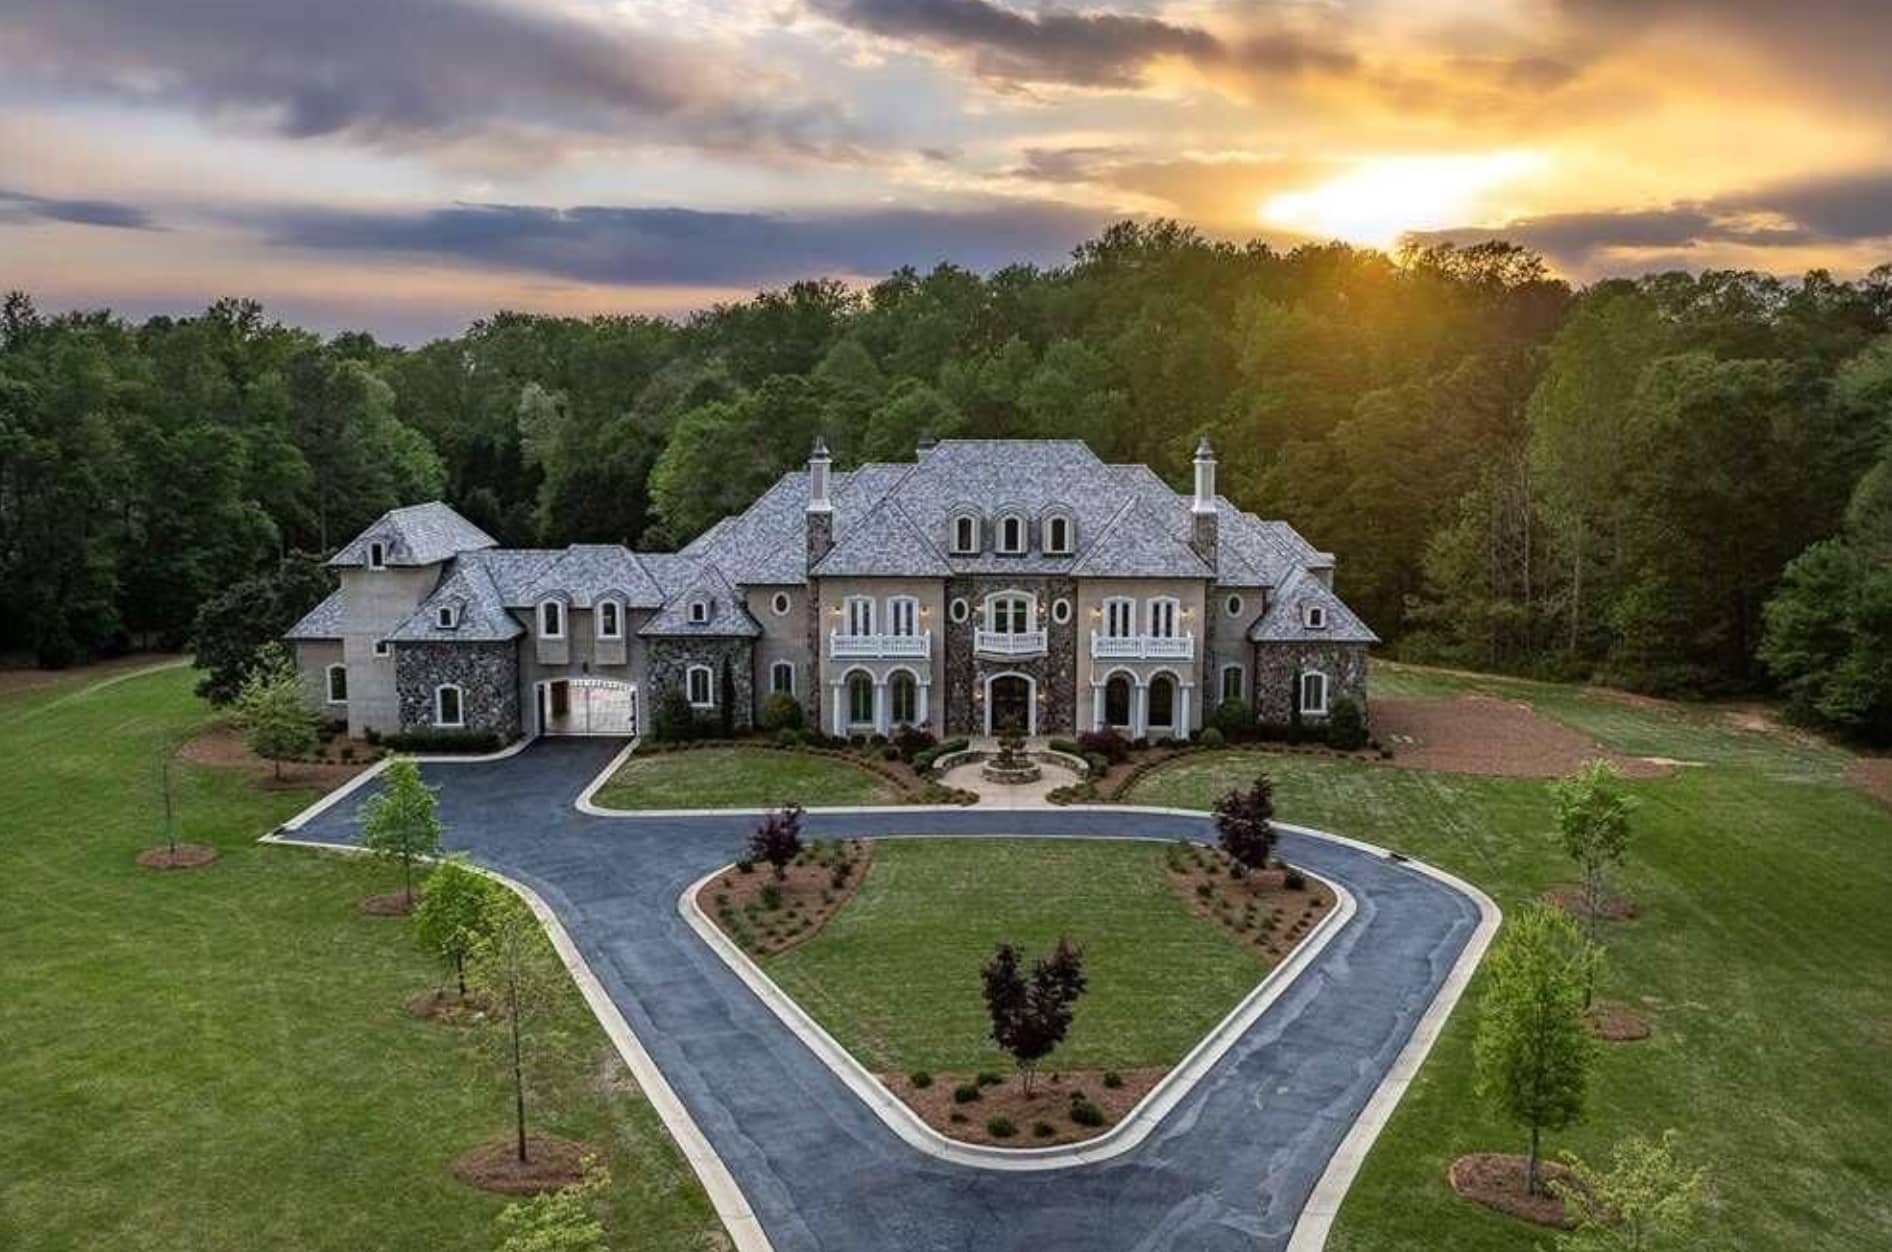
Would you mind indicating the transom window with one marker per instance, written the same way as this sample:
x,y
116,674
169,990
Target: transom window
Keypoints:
x,y
1232,682
903,694
552,619
965,534
782,677
1058,534
377,555
1012,534
860,698
448,700
1120,618
338,684
1008,613
701,687
699,611
1163,619
1315,617
858,614
1314,693
610,620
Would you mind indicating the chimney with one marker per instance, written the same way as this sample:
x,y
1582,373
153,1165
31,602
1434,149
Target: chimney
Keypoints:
x,y
820,514
925,445
1202,510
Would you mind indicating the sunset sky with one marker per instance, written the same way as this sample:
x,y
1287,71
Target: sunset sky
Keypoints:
x,y
406,165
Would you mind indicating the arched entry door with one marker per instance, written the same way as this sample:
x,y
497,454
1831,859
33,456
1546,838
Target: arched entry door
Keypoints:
x,y
1008,704
1117,702
1162,705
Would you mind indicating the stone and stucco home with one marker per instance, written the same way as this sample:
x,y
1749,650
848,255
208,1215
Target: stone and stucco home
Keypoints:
x,y
986,582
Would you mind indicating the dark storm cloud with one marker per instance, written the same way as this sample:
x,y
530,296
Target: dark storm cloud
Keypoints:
x,y
1081,49
18,206
399,72
688,247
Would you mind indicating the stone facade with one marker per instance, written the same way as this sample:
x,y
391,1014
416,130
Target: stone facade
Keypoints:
x,y
486,673
1278,667
672,657
1055,673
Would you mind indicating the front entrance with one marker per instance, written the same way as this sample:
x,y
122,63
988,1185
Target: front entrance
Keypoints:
x,y
587,706
1009,705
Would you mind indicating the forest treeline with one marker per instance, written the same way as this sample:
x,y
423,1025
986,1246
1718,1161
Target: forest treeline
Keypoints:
x,y
1611,483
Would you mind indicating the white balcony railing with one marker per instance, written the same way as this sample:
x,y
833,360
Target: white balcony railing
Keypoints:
x,y
1009,643
1143,647
840,645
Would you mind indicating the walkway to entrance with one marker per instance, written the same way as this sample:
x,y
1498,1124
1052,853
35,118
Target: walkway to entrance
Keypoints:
x,y
587,706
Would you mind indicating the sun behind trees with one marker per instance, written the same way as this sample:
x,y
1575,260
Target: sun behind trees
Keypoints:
x,y
1031,1013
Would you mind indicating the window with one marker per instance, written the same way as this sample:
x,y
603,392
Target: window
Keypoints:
x,y
966,534
551,619
1163,701
445,618
1232,683
700,687
782,677
860,698
1011,534
1008,613
1315,617
1163,618
904,695
1314,693
857,614
1060,611
1058,534
1234,606
903,616
1117,701
699,611
338,684
1120,618
781,604
377,555
610,620
959,610
447,706
382,648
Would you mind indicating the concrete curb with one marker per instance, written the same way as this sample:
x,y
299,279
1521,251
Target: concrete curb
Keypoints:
x,y
329,801
1136,1125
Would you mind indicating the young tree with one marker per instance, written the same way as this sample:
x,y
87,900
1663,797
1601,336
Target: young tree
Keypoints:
x,y
1242,818
455,914
1532,1052
1031,1014
570,1219
513,964
778,839
1646,1200
402,821
1593,822
276,724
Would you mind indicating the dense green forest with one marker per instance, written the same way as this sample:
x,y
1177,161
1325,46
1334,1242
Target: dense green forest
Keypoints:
x,y
1613,482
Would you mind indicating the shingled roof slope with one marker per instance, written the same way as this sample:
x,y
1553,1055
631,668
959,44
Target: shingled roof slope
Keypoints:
x,y
324,621
728,615
480,614
1285,620
419,534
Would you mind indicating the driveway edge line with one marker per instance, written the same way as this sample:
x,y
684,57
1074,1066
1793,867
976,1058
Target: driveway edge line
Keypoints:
x,y
1136,1126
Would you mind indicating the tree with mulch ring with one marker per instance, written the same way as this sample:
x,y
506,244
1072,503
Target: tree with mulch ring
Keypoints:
x,y
1593,822
445,1007
513,966
173,855
1032,1014
1498,1180
537,1163
1614,1022
1607,908
400,823
277,724
456,913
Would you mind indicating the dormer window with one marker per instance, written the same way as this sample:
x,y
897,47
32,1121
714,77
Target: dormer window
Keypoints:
x,y
1058,535
551,619
446,617
965,534
377,555
1314,617
1012,535
610,620
699,611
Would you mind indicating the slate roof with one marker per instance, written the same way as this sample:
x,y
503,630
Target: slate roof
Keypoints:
x,y
324,621
481,615
884,539
1134,544
513,571
1284,623
728,616
588,572
420,534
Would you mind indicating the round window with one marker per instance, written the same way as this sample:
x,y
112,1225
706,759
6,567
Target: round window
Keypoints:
x,y
781,604
1060,611
1234,606
960,610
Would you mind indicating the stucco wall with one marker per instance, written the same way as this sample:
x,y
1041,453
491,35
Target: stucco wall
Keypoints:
x,y
1229,643
1092,592
375,602
487,674
586,656
834,592
784,638
1278,667
313,657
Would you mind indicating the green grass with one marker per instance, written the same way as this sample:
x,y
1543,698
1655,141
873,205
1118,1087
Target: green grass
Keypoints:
x,y
741,778
1764,954
221,1058
895,976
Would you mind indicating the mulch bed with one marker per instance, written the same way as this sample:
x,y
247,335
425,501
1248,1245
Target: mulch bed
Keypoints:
x,y
1258,908
222,747
1616,1023
1496,1180
1049,1105
806,898
551,1163
184,856
390,904
1479,734
450,1008
1611,908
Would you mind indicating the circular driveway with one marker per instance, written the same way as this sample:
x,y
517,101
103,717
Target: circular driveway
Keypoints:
x,y
1230,1167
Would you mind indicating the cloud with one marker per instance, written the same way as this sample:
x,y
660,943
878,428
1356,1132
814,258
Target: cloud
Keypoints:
x,y
19,206
1221,190
1078,49
406,73
687,246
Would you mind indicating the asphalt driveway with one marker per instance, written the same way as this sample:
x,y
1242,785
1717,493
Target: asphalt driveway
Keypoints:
x,y
1229,1168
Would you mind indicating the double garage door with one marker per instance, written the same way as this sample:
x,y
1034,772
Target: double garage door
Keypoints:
x,y
587,706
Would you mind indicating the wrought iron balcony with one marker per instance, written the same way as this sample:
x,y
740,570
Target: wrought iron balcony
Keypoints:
x,y
1009,643
875,646
1143,647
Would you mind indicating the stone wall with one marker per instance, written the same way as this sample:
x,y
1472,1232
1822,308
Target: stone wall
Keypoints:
x,y
1055,672
670,662
486,673
1278,667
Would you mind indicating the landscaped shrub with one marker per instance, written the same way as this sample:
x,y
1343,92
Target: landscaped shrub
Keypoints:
x,y
781,711
771,897
1106,743
923,760
912,740
1234,720
1346,727
443,741
1113,1079
674,721
1211,737
1000,1127
965,1093
1294,880
1084,1113
1043,1130
1242,819
745,866
1070,747
920,1079
1098,762
788,738
989,1079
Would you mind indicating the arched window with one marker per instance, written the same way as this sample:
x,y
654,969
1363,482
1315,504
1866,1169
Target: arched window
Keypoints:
x,y
782,677
1009,612
1232,682
1058,534
449,703
445,617
857,612
1012,534
860,698
1163,701
903,616
338,684
702,687
903,693
1120,617
551,619
610,620
699,611
377,555
966,534
1163,614
1314,693
1117,701
1315,617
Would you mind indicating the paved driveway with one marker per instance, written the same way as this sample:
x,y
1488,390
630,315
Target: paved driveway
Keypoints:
x,y
1229,1168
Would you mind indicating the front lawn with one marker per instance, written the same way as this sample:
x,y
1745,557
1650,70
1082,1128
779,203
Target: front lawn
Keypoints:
x,y
741,778
221,1058
1763,956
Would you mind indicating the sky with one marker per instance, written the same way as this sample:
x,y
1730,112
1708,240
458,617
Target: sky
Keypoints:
x,y
405,166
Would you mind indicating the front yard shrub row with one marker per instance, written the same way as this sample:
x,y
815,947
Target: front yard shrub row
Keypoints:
x,y
469,741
